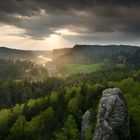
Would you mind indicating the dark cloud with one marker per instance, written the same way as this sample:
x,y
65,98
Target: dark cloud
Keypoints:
x,y
30,7
92,19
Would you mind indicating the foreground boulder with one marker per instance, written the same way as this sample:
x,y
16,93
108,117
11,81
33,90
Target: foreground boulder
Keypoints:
x,y
85,123
113,120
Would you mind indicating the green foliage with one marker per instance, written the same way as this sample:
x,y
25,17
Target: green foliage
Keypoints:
x,y
137,75
17,130
5,119
41,126
89,132
73,105
33,107
53,109
69,131
54,97
12,70
72,131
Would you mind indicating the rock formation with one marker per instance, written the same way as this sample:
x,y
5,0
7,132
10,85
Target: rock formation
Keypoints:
x,y
113,120
85,122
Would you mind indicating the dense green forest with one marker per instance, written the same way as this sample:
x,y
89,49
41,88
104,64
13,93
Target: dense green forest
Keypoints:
x,y
52,109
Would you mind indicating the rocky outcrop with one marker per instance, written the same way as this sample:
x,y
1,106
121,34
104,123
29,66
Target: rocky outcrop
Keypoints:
x,y
85,122
113,120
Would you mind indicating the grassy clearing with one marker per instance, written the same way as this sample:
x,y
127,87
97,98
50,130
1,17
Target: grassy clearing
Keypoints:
x,y
81,68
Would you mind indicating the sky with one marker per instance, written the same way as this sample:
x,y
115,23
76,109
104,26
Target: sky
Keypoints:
x,y
51,24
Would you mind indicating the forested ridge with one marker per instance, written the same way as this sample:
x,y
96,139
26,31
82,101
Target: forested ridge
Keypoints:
x,y
88,54
8,53
52,109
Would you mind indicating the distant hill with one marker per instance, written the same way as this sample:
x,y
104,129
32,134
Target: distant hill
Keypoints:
x,y
81,54
8,53
60,52
87,54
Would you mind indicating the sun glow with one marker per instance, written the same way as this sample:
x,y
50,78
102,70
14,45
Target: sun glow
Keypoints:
x,y
54,37
55,40
13,37
65,32
45,58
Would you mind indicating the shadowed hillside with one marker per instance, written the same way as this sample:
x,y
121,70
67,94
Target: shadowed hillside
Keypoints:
x,y
15,54
97,53
8,53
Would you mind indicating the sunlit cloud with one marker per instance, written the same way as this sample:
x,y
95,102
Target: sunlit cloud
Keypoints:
x,y
65,32
34,24
13,37
53,37
10,30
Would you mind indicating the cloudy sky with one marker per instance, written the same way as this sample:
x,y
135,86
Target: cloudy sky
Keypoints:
x,y
49,24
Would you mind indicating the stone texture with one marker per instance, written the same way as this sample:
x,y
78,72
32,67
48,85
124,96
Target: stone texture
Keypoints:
x,y
113,120
85,122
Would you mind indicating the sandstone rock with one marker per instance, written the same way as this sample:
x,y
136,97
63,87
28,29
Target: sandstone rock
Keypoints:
x,y
85,122
113,120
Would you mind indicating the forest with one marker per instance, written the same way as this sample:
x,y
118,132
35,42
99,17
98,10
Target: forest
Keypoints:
x,y
11,69
52,109
37,106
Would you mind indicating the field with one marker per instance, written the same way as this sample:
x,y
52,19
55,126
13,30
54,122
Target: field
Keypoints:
x,y
81,68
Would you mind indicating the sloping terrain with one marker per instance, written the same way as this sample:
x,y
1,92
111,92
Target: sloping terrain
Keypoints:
x,y
88,54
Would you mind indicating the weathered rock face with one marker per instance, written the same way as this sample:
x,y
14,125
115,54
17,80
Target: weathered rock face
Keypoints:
x,y
85,122
113,120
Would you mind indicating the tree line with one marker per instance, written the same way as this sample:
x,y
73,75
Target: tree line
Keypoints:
x,y
11,69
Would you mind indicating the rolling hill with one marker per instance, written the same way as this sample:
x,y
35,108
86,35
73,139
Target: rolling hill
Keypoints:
x,y
88,54
8,53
